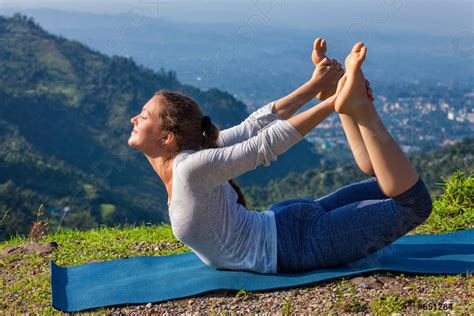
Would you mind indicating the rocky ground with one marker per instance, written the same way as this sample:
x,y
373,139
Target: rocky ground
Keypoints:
x,y
375,293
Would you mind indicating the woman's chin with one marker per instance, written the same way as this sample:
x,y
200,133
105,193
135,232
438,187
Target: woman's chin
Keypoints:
x,y
133,143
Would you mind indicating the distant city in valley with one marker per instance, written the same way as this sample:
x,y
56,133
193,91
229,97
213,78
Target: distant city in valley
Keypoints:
x,y
420,117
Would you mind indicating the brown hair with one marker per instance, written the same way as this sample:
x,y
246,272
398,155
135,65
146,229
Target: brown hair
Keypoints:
x,y
183,116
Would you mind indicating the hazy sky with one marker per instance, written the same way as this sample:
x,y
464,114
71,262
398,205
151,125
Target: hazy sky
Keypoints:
x,y
425,16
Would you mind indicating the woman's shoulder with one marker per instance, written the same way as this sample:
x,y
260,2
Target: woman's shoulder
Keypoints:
x,y
183,155
188,165
185,160
189,155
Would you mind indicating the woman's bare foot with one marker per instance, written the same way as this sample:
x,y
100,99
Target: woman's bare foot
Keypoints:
x,y
353,98
318,55
319,51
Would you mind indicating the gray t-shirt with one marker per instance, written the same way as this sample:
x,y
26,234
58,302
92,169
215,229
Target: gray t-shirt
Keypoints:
x,y
204,212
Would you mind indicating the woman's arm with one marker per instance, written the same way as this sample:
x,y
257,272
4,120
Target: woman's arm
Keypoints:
x,y
305,121
204,170
288,105
249,127
325,77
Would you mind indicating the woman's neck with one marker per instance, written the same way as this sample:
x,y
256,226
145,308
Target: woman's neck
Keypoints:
x,y
164,169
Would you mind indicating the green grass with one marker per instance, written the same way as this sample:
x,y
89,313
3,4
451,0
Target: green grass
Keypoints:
x,y
388,304
286,307
454,209
25,287
104,243
30,289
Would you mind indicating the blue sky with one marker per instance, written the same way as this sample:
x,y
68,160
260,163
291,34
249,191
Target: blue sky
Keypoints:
x,y
421,16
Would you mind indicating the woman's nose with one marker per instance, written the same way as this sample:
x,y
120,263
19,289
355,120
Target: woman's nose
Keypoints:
x,y
132,120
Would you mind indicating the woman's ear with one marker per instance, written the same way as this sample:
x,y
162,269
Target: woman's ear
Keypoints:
x,y
168,138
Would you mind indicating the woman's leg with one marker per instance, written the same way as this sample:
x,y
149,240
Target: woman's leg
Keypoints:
x,y
353,231
356,144
394,172
349,125
367,189
310,238
357,230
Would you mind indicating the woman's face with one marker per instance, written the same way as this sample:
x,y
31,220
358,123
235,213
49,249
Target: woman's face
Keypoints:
x,y
146,135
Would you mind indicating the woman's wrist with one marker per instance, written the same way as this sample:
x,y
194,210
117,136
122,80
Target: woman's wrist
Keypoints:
x,y
315,84
288,105
309,119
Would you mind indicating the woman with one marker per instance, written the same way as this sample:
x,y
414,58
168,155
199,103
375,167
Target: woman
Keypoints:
x,y
208,211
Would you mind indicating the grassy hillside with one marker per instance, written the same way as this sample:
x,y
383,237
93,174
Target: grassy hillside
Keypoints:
x,y
24,276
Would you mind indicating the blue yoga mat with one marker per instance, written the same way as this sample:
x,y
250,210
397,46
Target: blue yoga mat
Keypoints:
x,y
145,279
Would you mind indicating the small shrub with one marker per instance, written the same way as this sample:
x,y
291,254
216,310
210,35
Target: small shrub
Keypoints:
x,y
39,230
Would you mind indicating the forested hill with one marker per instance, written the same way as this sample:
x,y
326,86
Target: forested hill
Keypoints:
x,y
64,125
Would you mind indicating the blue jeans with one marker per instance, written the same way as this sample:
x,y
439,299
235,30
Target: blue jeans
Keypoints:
x,y
346,225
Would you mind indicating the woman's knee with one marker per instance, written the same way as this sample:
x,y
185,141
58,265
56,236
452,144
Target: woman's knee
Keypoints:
x,y
417,199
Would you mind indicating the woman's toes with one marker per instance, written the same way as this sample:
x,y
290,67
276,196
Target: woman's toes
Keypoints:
x,y
323,45
357,47
319,50
362,53
317,43
356,57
